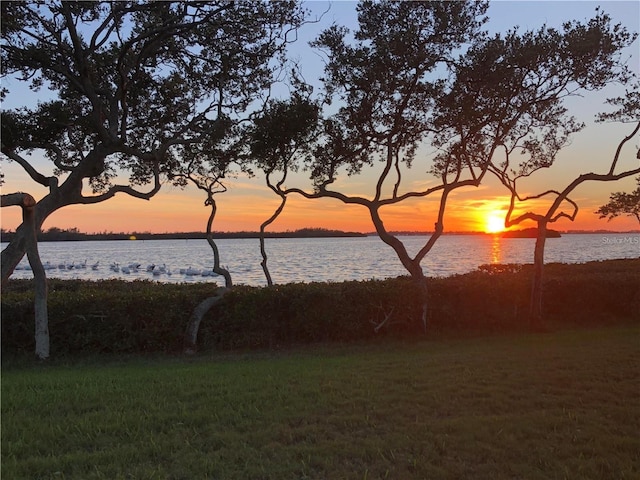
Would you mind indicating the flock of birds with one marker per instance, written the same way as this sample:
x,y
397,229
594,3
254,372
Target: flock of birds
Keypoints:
x,y
153,269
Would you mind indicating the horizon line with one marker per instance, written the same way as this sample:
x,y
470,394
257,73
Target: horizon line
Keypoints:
x,y
319,229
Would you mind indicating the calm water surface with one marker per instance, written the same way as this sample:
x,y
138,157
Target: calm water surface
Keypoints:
x,y
315,259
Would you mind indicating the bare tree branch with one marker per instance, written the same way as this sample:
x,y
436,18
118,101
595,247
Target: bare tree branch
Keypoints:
x,y
26,165
127,189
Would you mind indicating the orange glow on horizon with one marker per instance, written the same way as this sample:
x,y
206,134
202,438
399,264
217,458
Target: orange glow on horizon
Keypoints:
x,y
160,216
246,206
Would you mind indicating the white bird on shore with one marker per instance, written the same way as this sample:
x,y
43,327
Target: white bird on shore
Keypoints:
x,y
95,265
151,267
192,271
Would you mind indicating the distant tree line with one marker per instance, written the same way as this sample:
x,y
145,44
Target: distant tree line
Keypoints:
x,y
55,234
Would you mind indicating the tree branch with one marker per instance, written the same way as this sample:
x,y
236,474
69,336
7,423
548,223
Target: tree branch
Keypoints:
x,y
24,163
19,199
125,189
620,145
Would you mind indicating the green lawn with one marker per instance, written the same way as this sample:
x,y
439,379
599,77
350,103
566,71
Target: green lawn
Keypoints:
x,y
557,405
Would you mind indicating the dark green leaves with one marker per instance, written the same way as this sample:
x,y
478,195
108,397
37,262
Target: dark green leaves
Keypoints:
x,y
143,79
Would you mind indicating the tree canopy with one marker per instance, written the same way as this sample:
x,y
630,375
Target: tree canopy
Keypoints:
x,y
622,203
425,95
421,94
133,85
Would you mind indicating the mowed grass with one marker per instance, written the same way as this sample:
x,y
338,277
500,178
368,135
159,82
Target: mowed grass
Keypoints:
x,y
545,406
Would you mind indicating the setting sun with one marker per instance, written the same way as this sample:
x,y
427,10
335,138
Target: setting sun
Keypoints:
x,y
495,222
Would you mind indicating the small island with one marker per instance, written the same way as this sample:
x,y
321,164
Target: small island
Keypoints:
x,y
529,233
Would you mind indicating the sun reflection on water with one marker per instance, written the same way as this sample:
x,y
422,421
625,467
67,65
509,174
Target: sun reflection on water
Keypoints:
x,y
496,251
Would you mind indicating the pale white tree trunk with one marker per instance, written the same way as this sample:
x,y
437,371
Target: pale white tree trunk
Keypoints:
x,y
27,202
535,308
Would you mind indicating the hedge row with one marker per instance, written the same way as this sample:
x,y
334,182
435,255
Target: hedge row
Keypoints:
x,y
117,316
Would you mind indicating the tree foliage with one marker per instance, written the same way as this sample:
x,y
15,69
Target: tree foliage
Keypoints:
x,y
279,140
423,96
622,203
597,46
628,111
132,86
386,82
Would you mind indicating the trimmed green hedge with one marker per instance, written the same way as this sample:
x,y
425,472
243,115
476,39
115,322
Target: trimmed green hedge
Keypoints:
x,y
113,316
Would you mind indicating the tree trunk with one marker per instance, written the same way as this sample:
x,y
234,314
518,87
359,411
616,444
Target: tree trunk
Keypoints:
x,y
191,335
421,282
411,264
190,343
265,224
17,248
29,241
13,252
417,275
41,294
535,307
263,263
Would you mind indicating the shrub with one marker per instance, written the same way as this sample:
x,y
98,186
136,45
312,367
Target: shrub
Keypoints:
x,y
105,316
113,316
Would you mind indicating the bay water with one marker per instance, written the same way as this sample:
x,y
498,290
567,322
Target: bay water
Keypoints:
x,y
310,259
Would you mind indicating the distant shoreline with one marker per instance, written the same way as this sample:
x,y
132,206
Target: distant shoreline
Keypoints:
x,y
59,235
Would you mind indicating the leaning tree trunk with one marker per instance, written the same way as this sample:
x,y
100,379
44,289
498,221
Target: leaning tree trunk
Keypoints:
x,y
191,335
14,252
28,203
535,307
411,264
190,344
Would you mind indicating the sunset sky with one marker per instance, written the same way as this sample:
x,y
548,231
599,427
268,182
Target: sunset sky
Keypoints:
x,y
249,202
